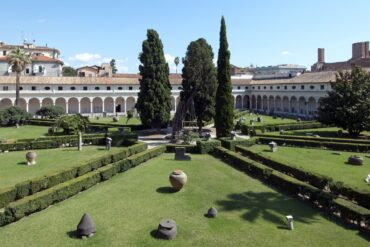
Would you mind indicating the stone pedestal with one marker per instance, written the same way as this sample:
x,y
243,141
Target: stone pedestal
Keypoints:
x,y
273,146
355,160
167,229
289,219
180,154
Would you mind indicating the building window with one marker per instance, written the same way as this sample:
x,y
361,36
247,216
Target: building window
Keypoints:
x,y
85,88
27,71
322,87
47,88
285,87
4,53
271,87
60,88
20,88
119,88
238,87
264,87
5,88
312,87
302,87
108,88
73,88
259,87
246,87
293,87
97,88
278,87
252,87
40,69
33,88
178,88
130,88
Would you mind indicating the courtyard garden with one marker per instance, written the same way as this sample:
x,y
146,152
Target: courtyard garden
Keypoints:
x,y
120,120
11,134
128,208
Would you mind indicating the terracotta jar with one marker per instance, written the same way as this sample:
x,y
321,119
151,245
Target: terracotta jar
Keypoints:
x,y
178,179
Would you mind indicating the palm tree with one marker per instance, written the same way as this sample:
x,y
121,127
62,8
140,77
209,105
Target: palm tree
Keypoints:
x,y
177,61
18,59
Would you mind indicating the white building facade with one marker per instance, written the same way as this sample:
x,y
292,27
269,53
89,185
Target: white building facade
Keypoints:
x,y
298,96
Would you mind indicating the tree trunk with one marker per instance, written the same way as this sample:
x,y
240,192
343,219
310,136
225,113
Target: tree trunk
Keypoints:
x,y
200,126
17,86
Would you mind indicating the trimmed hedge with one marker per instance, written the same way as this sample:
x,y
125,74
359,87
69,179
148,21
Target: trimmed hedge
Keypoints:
x,y
41,200
344,209
317,144
317,180
35,185
188,148
311,138
245,129
231,144
207,146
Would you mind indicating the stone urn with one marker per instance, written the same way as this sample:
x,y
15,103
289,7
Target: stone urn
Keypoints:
x,y
355,160
31,158
115,119
178,179
167,229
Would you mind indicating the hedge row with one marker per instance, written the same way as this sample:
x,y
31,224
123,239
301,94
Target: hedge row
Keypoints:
x,y
18,209
35,185
245,129
207,146
317,180
344,209
231,144
188,148
317,144
311,138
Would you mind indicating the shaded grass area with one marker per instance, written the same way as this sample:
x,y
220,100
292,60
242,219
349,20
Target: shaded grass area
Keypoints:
x,y
10,134
128,208
122,120
323,132
266,119
323,162
14,169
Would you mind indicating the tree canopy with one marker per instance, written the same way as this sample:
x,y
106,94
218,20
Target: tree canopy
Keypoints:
x,y
71,124
224,99
69,71
199,80
13,115
113,65
154,101
348,103
52,111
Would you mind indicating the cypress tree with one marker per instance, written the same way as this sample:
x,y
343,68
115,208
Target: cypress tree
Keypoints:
x,y
224,100
154,101
199,80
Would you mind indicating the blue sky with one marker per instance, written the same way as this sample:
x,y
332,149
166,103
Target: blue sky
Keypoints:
x,y
265,32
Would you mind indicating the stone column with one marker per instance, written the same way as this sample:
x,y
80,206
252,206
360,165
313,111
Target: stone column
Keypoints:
x,y
125,106
67,106
79,105
91,107
114,106
103,106
27,108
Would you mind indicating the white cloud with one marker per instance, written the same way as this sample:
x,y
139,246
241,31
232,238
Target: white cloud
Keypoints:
x,y
85,58
88,59
171,63
285,53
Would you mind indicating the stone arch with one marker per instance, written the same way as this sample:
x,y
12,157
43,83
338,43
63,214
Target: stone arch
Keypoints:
x,y
312,106
130,103
97,105
271,104
259,102
285,104
62,103
47,102
23,104
264,103
278,106
5,103
302,105
109,105
246,102
85,105
73,105
173,103
254,102
293,104
238,102
33,105
120,105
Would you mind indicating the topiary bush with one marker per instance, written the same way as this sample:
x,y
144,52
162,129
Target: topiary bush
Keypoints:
x,y
51,112
13,115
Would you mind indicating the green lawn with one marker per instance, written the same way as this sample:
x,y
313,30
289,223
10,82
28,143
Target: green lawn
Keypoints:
x,y
10,134
122,120
323,132
13,167
128,208
266,119
322,162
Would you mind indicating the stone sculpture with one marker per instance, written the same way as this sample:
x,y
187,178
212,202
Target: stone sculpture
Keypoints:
x,y
167,229
180,154
178,179
86,227
31,158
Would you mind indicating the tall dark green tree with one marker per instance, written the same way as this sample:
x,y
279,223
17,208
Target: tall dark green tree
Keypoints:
x,y
154,101
69,71
200,80
113,65
224,100
348,103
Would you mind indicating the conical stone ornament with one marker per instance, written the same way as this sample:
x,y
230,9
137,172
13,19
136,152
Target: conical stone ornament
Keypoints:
x,y
86,227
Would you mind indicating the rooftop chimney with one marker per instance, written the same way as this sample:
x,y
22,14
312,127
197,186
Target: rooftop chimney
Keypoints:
x,y
320,55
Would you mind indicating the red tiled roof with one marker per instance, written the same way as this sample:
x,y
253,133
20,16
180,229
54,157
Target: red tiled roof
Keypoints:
x,y
46,59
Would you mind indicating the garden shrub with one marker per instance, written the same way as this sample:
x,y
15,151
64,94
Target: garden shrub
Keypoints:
x,y
13,115
188,148
7,195
207,146
246,129
230,144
